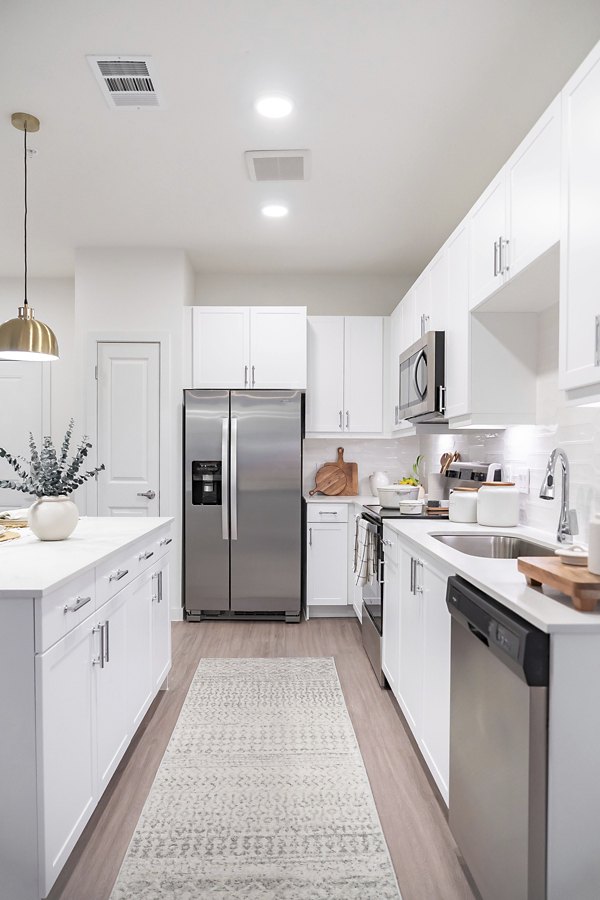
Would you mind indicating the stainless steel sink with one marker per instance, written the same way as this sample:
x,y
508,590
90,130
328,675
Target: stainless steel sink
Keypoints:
x,y
493,546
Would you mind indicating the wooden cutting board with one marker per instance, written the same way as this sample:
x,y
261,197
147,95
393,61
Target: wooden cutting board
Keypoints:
x,y
351,472
582,587
329,480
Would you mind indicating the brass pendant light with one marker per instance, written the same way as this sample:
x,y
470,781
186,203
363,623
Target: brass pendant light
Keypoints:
x,y
24,338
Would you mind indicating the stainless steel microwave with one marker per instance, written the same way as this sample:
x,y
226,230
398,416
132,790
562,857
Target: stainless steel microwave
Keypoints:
x,y
421,380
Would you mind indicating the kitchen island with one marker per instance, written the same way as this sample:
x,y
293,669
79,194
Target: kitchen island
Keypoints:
x,y
84,649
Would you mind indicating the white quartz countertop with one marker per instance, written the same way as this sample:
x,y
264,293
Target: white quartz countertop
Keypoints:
x,y
548,610
362,499
30,567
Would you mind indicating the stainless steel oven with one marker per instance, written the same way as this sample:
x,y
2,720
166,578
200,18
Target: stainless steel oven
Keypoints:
x,y
421,379
372,600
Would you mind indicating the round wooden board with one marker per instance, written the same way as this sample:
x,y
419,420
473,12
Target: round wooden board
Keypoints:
x,y
329,480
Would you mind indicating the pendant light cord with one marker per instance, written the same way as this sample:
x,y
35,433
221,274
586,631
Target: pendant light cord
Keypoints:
x,y
25,214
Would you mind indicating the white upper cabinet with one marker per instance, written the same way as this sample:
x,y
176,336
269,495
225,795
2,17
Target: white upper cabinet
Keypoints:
x,y
221,346
457,327
278,347
249,347
423,307
394,372
345,375
579,357
438,277
517,217
408,321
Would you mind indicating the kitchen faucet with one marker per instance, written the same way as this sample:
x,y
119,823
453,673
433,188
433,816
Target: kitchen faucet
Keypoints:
x,y
567,523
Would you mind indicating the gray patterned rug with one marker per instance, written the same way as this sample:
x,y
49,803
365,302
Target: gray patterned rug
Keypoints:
x,y
262,794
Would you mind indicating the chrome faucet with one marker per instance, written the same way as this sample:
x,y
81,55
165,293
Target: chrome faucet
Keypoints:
x,y
567,523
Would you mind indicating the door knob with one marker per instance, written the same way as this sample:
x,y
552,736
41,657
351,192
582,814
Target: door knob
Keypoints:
x,y
149,494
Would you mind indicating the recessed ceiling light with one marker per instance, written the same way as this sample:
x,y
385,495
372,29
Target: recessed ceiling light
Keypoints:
x,y
274,210
275,106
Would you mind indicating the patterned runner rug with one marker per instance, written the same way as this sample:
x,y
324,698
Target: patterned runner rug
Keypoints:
x,y
262,794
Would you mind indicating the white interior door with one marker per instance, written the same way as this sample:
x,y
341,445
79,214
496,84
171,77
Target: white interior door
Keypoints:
x,y
21,404
129,429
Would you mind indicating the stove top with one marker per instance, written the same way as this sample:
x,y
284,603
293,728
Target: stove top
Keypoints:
x,y
383,512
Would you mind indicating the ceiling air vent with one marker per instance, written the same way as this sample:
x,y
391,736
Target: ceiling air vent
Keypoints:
x,y
127,82
278,165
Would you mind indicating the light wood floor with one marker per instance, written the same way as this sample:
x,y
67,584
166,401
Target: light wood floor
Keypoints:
x,y
425,857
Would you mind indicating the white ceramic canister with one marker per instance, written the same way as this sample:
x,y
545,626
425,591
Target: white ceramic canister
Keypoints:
x,y
594,545
377,480
498,504
462,504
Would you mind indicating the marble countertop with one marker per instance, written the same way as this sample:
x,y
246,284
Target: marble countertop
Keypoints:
x,y
547,609
30,567
361,499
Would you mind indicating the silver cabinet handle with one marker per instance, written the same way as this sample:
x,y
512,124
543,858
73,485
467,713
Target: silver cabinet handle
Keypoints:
x,y
386,542
504,267
327,513
347,419
396,412
245,376
164,542
412,574
160,587
146,555
116,576
597,351
418,584
341,419
253,378
99,660
234,430
155,596
79,602
225,478
310,537
500,255
150,495
495,258
106,640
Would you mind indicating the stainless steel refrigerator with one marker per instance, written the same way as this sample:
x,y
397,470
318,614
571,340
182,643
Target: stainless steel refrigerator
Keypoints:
x,y
243,505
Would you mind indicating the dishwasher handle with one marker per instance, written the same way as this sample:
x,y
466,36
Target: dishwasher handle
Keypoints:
x,y
478,634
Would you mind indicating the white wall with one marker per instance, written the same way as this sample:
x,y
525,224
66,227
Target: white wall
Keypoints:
x,y
576,430
53,300
141,294
331,295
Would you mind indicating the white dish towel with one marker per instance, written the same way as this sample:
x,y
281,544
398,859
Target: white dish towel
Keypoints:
x,y
365,555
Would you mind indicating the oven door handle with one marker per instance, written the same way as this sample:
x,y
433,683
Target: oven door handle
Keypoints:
x,y
380,571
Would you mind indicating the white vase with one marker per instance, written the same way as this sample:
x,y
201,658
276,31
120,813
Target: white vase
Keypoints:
x,y
53,518
377,480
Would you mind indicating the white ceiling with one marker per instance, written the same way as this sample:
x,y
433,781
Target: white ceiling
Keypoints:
x,y
409,107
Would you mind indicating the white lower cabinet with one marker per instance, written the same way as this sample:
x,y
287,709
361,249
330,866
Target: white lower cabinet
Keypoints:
x,y
416,651
92,687
327,564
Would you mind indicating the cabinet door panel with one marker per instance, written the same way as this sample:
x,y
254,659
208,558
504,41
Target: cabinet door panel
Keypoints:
x,y
439,291
326,565
67,739
278,347
435,740
390,647
139,649
161,627
458,325
410,671
408,324
423,310
325,388
580,228
393,373
487,225
363,374
111,687
533,192
221,347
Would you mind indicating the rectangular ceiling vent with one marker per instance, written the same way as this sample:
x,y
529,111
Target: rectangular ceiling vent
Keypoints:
x,y
278,165
127,82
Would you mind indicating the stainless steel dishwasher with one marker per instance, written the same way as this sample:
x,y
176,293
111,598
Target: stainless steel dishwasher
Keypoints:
x,y
498,744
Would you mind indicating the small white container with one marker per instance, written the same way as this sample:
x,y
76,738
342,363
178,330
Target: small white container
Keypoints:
x,y
411,507
594,546
377,480
462,504
391,495
498,504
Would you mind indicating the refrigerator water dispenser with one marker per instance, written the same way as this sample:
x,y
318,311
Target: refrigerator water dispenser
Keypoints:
x,y
206,483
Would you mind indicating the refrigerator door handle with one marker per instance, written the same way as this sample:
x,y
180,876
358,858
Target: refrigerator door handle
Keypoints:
x,y
234,479
225,478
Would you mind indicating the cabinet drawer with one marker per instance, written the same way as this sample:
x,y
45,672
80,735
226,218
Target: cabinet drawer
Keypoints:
x,y
59,612
327,512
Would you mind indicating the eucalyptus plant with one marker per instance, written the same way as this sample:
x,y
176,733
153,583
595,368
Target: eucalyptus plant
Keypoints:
x,y
48,473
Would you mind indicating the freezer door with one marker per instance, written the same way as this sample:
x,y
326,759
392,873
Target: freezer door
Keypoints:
x,y
206,510
266,501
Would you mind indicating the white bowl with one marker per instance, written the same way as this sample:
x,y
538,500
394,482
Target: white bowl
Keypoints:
x,y
411,507
391,495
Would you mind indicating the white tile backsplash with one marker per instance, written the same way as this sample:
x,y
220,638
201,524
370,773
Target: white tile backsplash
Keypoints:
x,y
391,456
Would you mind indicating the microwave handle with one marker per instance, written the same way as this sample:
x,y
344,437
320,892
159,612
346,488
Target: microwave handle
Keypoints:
x,y
422,355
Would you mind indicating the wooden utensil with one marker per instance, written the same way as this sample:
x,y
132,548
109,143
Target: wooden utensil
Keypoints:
x,y
329,480
445,460
350,470
582,587
9,535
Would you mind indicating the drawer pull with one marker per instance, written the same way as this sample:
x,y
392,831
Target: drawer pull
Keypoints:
x,y
146,555
386,542
116,576
332,513
165,541
79,602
